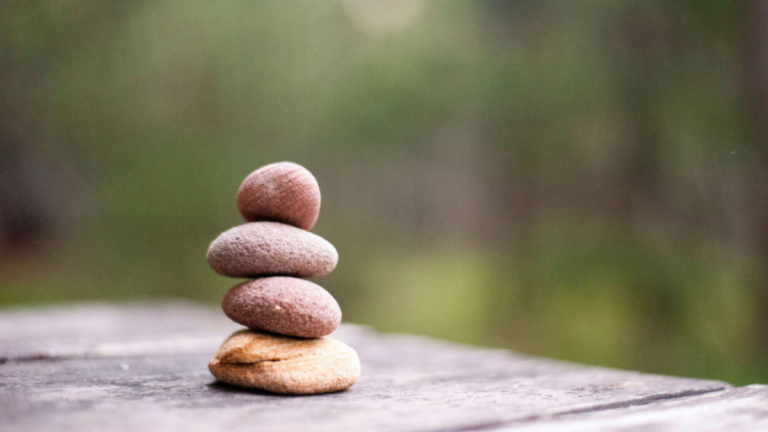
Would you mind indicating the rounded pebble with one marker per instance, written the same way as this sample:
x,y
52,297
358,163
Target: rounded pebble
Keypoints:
x,y
281,364
271,248
283,192
283,305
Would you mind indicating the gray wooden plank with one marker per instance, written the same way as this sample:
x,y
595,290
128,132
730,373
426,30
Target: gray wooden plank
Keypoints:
x,y
408,382
98,329
741,409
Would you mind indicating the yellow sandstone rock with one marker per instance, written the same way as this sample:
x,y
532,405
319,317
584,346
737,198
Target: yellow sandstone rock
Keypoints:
x,y
286,365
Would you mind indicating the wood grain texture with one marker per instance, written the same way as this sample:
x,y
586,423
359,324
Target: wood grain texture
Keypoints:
x,y
102,330
741,409
104,369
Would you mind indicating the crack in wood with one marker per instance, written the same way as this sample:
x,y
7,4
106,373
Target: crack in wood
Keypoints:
x,y
494,425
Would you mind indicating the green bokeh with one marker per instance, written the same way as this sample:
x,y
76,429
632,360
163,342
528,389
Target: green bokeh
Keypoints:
x,y
565,179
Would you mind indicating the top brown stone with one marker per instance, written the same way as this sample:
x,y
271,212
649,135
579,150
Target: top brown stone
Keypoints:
x,y
281,192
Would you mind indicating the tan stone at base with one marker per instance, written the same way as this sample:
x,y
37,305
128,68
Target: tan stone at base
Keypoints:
x,y
286,365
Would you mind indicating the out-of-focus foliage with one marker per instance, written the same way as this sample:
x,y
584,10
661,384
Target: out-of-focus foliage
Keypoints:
x,y
570,179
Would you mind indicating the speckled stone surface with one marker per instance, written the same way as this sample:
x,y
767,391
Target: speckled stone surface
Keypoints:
x,y
271,248
285,365
284,305
283,192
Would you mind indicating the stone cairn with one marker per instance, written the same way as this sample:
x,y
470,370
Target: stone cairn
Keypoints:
x,y
284,349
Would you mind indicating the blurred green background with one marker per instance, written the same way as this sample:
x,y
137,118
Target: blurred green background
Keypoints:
x,y
579,180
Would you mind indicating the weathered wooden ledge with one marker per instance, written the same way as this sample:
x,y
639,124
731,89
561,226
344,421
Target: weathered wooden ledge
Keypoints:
x,y
144,367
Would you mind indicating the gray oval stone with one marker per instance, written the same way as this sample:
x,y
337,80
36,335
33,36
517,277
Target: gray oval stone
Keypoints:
x,y
271,248
283,305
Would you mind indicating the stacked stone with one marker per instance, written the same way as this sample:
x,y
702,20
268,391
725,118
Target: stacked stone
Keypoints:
x,y
284,349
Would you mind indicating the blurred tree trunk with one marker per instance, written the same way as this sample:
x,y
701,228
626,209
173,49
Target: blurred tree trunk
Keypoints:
x,y
22,219
757,91
646,46
38,193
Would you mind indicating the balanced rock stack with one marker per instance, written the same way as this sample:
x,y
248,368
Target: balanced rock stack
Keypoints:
x,y
284,349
